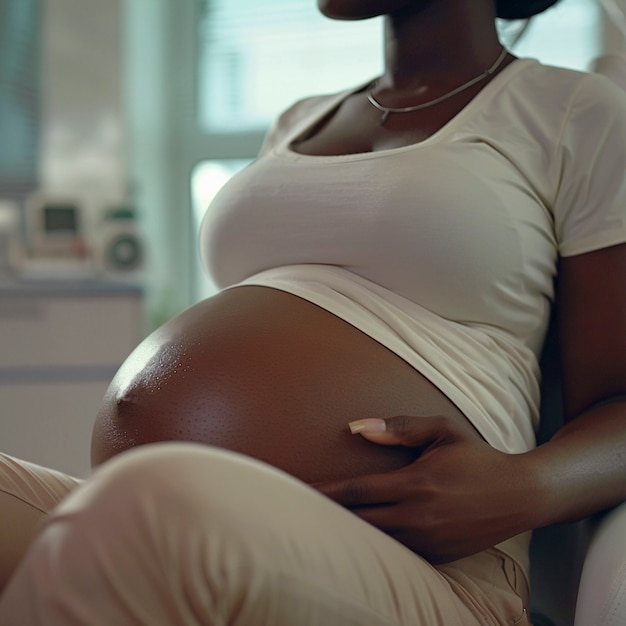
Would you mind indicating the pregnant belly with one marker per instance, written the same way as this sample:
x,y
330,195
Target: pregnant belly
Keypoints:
x,y
268,374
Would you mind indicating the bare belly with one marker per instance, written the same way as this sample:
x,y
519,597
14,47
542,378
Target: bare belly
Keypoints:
x,y
265,373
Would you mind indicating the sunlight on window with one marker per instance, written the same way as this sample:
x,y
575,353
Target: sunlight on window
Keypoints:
x,y
207,179
567,35
256,58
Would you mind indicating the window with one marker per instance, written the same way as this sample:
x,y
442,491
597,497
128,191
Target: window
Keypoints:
x,y
19,96
256,58
207,179
567,35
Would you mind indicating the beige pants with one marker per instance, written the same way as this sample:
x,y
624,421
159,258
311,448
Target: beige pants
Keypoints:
x,y
28,493
182,534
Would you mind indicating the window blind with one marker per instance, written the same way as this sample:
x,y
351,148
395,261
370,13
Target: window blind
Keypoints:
x,y
19,95
256,58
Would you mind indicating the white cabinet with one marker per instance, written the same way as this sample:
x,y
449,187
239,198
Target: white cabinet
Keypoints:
x,y
60,345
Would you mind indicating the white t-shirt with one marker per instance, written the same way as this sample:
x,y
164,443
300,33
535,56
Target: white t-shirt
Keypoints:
x,y
444,251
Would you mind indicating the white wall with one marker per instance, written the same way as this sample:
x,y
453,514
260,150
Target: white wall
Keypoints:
x,y
83,148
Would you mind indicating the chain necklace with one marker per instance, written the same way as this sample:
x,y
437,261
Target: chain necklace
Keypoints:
x,y
386,111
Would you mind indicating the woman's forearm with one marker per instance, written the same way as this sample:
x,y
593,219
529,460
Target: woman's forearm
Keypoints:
x,y
582,469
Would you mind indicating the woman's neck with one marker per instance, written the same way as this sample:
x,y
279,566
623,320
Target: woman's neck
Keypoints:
x,y
439,45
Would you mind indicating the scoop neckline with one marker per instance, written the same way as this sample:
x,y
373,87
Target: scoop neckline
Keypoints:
x,y
285,147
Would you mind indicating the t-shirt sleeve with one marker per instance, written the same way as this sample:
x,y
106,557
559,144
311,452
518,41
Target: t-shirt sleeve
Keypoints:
x,y
590,203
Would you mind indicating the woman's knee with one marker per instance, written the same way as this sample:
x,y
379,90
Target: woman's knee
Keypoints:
x,y
184,516
139,537
161,487
163,476
147,506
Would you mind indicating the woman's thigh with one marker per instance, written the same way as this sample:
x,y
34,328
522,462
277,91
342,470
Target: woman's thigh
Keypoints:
x,y
28,492
183,534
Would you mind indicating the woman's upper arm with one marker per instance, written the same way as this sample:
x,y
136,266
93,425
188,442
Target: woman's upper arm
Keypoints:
x,y
592,327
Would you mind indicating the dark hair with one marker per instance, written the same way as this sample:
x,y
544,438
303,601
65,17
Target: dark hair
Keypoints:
x,y
521,9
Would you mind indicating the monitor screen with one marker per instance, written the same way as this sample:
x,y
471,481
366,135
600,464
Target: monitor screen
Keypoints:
x,y
60,218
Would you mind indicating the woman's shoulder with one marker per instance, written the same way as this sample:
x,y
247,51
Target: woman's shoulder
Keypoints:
x,y
567,87
554,103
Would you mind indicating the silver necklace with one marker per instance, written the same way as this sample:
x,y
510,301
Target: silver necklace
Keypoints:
x,y
386,111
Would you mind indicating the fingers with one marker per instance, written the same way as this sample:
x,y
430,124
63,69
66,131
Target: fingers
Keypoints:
x,y
402,430
371,490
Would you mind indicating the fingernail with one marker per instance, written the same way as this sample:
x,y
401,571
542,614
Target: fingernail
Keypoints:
x,y
370,425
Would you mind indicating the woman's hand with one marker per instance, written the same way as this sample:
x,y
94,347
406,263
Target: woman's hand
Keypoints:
x,y
459,497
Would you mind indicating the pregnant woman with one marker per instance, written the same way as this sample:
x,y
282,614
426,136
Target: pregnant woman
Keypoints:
x,y
388,262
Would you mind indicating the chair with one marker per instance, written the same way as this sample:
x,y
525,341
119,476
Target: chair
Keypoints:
x,y
558,552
